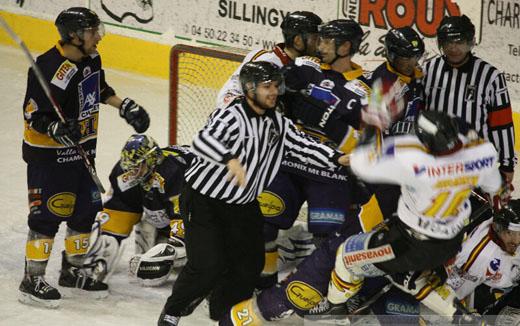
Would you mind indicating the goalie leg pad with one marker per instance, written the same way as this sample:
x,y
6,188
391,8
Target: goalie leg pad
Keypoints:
x,y
145,237
102,256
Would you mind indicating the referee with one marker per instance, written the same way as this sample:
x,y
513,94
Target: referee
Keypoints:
x,y
471,89
239,152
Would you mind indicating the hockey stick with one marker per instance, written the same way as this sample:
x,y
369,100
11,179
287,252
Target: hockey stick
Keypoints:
x,y
478,216
55,105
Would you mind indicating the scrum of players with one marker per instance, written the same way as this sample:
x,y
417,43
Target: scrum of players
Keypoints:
x,y
422,216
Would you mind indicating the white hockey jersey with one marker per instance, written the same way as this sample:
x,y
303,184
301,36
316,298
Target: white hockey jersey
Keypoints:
x,y
481,260
434,190
232,88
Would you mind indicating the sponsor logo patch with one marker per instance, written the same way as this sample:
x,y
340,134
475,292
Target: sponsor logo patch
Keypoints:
x,y
35,200
64,74
62,204
454,168
366,256
302,295
271,204
334,216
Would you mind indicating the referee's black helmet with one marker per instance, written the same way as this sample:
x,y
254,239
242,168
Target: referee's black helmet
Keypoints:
x,y
257,72
454,29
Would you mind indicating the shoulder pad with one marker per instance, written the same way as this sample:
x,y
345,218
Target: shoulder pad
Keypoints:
x,y
180,153
64,74
308,61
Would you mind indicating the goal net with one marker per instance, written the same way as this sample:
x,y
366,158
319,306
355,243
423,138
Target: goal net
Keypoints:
x,y
196,76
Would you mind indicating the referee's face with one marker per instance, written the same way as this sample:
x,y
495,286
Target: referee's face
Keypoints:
x,y
267,94
456,52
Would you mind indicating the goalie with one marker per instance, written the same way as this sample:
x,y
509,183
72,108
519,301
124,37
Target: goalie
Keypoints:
x,y
145,187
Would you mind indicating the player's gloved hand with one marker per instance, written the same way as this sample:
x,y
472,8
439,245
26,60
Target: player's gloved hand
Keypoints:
x,y
134,115
503,196
67,133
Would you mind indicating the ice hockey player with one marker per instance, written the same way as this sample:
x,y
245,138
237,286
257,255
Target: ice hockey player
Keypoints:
x,y
59,185
328,84
437,169
144,189
490,256
432,156
299,30
403,49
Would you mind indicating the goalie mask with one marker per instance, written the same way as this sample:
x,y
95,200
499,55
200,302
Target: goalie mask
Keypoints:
x,y
140,156
438,132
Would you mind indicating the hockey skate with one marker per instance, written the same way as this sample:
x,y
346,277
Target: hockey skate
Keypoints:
x,y
76,281
34,290
327,312
167,320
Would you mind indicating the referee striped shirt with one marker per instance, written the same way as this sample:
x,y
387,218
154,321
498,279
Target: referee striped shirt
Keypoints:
x,y
477,93
260,142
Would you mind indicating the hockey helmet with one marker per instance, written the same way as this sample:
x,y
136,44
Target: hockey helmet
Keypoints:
x,y
141,155
438,132
508,218
342,30
257,72
455,28
76,20
299,23
403,42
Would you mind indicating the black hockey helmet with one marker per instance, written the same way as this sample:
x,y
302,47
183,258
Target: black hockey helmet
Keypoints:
x,y
403,42
455,28
299,23
438,132
508,218
76,20
256,72
343,30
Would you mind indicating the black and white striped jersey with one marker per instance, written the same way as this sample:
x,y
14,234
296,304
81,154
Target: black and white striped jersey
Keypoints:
x,y
260,142
477,93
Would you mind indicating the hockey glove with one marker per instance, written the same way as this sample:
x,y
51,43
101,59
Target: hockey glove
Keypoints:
x,y
134,115
67,133
463,316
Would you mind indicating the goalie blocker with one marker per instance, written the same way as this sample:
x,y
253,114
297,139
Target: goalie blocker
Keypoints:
x,y
155,266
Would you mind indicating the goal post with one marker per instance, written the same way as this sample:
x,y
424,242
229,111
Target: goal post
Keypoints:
x,y
196,76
